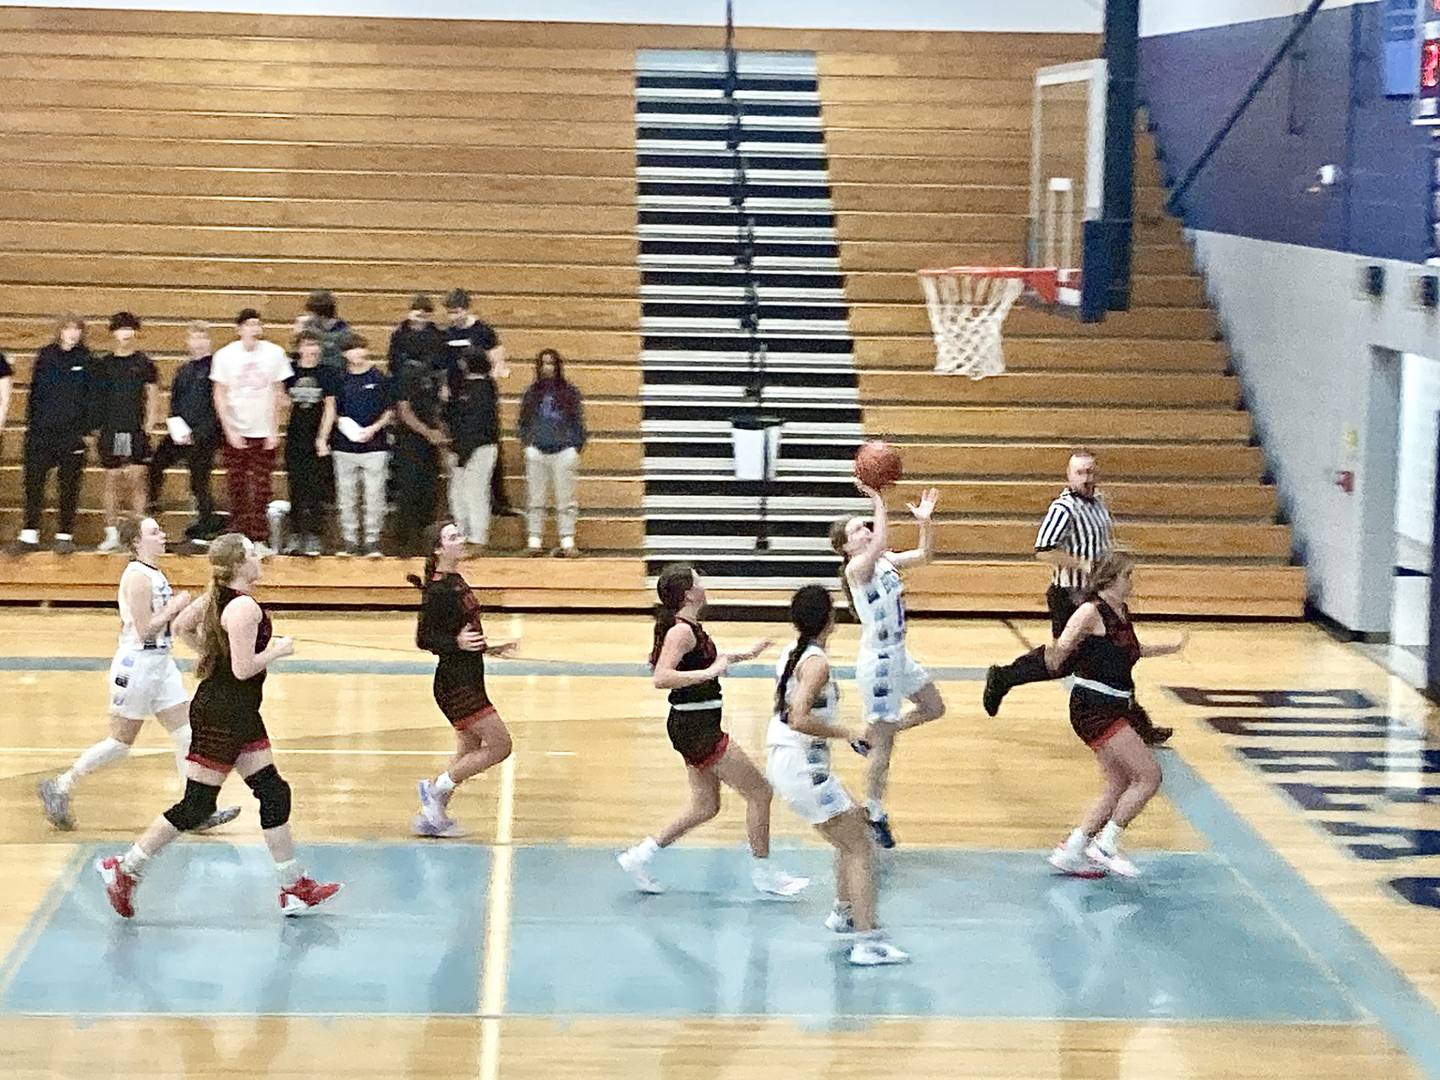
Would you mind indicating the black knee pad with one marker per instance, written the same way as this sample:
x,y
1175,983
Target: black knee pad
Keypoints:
x,y
274,795
194,807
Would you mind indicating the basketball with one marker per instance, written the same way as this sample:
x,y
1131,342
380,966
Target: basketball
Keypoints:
x,y
878,464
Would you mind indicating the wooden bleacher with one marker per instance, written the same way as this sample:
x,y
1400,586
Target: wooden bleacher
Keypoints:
x,y
359,155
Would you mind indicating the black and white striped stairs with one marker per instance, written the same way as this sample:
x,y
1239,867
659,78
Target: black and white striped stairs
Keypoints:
x,y
695,358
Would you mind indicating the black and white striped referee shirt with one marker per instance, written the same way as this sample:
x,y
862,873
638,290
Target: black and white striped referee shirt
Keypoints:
x,y
1079,526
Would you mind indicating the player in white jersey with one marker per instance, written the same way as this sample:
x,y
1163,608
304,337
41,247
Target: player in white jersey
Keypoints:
x,y
885,673
798,768
144,679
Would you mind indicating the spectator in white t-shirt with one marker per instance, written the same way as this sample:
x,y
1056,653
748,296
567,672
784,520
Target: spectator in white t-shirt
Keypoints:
x,y
249,384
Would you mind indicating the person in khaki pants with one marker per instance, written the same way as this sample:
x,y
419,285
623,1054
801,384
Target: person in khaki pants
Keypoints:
x,y
358,409
552,430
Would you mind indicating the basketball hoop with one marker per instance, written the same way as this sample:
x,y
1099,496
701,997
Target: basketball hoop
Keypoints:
x,y
967,304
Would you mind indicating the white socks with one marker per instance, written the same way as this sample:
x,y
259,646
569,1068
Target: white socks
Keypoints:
x,y
112,534
567,542
647,848
444,785
98,756
30,536
1109,837
534,543
874,810
288,872
1075,843
133,861
181,738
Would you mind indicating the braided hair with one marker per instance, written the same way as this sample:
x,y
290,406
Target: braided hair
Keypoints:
x,y
810,612
431,538
674,582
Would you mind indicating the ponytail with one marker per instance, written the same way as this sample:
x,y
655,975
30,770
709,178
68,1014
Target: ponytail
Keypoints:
x,y
431,538
838,536
227,554
674,582
811,610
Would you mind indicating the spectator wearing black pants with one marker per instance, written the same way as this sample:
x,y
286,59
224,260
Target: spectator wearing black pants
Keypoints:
x,y
192,435
308,465
57,419
418,362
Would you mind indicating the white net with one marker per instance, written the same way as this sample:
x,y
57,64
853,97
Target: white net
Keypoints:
x,y
966,311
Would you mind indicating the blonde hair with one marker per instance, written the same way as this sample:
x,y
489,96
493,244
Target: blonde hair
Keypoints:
x,y
839,537
199,326
1109,569
227,554
128,526
70,318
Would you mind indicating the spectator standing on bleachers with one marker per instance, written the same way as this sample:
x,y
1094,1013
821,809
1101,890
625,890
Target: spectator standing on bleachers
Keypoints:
x,y
7,387
126,400
418,360
192,436
322,317
57,420
477,359
552,430
307,457
248,377
356,422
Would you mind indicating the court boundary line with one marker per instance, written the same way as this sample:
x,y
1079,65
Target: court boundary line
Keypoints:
x,y
29,936
1375,983
495,959
498,669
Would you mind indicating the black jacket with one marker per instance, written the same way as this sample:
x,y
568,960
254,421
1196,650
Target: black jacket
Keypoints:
x,y
58,410
191,399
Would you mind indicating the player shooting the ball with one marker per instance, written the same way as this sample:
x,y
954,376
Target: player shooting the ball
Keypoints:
x,y
884,670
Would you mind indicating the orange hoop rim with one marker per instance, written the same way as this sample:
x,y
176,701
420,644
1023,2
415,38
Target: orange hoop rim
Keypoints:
x,y
1045,280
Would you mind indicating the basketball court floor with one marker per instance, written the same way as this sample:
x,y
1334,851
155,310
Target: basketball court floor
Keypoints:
x,y
1288,923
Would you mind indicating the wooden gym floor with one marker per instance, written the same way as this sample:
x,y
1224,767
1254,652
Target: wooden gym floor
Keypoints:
x,y
1279,930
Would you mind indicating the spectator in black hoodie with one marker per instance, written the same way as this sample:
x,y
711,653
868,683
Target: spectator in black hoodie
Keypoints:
x,y
57,419
307,457
193,435
322,318
126,399
418,363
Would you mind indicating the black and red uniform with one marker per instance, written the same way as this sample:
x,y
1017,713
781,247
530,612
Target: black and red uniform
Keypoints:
x,y
1109,661
225,711
447,607
694,721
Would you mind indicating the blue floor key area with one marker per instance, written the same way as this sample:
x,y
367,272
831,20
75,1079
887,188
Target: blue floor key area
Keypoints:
x,y
992,934
403,936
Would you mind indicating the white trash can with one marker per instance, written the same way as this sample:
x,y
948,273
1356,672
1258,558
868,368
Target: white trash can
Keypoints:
x,y
756,441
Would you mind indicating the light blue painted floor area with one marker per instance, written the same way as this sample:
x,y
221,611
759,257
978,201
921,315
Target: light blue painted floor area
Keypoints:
x,y
404,936
993,934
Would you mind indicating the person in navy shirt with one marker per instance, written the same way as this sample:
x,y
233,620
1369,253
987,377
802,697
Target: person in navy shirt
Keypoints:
x,y
357,425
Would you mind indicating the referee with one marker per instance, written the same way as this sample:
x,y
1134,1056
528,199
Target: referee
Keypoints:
x,y
1076,532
